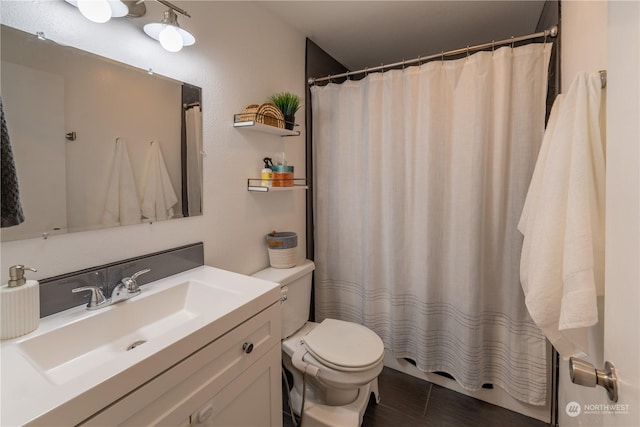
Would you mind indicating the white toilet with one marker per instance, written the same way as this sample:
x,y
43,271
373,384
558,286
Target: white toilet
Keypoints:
x,y
340,360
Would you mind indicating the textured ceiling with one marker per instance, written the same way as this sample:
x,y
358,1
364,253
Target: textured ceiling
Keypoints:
x,y
363,34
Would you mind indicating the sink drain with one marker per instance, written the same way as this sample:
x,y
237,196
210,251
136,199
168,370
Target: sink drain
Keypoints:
x,y
135,344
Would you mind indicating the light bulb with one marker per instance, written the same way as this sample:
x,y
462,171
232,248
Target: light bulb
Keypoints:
x,y
170,39
95,10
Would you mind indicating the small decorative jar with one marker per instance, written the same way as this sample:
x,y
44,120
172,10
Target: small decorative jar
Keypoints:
x,y
282,176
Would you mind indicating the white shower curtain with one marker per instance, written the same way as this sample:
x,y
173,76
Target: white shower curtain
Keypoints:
x,y
420,176
193,125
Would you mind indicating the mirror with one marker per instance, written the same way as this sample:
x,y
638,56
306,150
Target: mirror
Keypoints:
x,y
65,111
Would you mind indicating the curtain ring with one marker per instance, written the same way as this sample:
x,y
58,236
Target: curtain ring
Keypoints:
x,y
366,71
493,46
403,64
382,67
419,61
330,79
467,51
545,38
513,40
442,57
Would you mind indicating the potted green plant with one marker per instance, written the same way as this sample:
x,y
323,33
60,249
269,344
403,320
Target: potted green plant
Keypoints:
x,y
288,103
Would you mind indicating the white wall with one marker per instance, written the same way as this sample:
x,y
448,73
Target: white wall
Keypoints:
x,y
583,36
242,55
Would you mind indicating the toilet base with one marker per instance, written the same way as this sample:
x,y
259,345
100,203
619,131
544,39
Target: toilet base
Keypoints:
x,y
317,415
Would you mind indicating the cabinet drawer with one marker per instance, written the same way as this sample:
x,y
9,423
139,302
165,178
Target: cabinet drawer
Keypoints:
x,y
175,394
253,399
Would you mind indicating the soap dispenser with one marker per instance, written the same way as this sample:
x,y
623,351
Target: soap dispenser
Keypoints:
x,y
20,304
266,175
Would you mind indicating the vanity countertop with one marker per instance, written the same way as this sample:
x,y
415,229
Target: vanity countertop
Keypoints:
x,y
69,392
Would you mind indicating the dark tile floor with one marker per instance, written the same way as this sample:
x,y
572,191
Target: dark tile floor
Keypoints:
x,y
407,401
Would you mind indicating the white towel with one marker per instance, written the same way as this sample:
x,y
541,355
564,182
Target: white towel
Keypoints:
x,y
562,264
122,206
158,195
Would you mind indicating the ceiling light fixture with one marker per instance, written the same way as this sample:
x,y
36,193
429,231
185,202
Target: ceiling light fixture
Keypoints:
x,y
168,31
100,11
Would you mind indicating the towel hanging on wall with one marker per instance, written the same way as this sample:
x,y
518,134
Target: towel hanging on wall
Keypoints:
x,y
562,264
122,206
11,208
158,196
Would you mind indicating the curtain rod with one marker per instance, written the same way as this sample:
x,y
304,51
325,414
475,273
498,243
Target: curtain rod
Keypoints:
x,y
551,32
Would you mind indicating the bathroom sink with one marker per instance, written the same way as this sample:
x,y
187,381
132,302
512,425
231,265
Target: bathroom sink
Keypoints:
x,y
115,332
78,360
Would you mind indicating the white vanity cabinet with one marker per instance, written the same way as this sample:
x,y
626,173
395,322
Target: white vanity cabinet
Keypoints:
x,y
235,380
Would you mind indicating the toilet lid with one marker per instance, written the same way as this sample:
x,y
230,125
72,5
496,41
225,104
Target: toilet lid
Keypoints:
x,y
344,345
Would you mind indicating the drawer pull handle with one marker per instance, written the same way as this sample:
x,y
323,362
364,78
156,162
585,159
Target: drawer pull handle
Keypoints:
x,y
204,414
247,347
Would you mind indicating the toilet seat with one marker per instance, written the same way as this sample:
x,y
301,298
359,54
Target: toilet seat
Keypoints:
x,y
327,382
344,346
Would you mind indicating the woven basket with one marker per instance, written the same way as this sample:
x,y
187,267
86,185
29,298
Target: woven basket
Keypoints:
x,y
282,258
249,113
282,249
267,114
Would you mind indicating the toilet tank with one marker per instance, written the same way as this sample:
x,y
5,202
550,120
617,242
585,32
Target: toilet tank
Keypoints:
x,y
295,284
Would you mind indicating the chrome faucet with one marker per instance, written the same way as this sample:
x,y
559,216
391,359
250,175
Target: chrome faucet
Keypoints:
x,y
127,288
97,300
